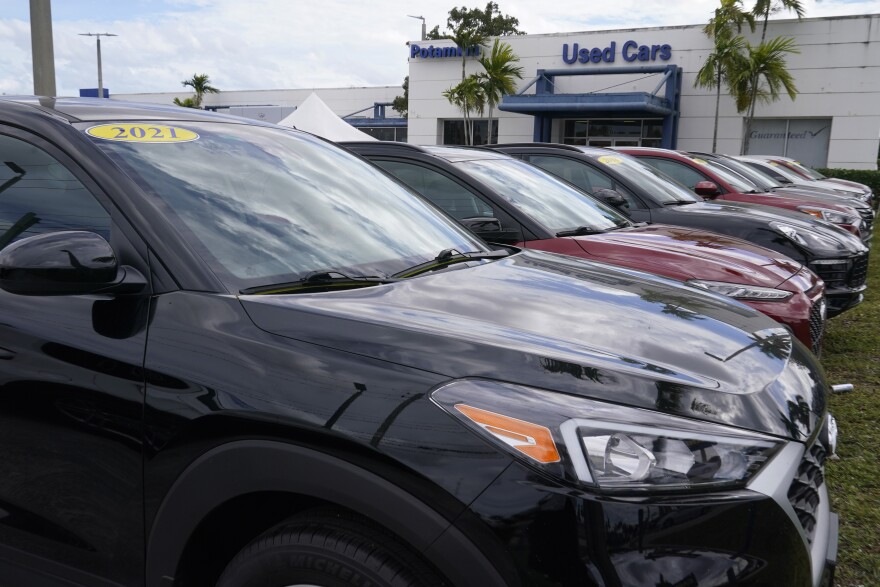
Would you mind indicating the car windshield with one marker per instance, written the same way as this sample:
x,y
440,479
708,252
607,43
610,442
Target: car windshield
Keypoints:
x,y
658,185
812,173
756,176
783,171
736,181
265,205
553,203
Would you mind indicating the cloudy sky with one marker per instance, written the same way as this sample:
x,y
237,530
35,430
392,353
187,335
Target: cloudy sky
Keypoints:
x,y
274,44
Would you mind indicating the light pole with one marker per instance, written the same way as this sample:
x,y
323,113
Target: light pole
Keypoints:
x,y
100,75
422,18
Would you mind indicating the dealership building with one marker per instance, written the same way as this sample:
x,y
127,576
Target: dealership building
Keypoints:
x,y
625,88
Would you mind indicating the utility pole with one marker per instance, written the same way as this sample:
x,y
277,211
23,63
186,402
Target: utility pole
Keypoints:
x,y
424,30
100,74
42,49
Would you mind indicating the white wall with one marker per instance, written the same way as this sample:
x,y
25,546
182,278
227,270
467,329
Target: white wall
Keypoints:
x,y
837,73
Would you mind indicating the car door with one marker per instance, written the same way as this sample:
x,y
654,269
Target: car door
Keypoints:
x,y
71,390
589,179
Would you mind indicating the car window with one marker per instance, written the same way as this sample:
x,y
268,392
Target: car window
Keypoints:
x,y
39,195
440,189
583,176
550,202
680,172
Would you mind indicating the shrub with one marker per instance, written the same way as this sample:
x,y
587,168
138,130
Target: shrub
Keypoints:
x,y
866,176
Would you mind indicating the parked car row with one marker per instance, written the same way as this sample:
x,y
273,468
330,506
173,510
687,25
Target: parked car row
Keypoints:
x,y
235,354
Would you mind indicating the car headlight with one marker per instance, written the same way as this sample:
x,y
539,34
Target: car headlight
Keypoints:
x,y
741,291
605,446
813,239
829,215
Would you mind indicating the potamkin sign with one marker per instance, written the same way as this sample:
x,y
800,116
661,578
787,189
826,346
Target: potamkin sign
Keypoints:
x,y
630,52
432,52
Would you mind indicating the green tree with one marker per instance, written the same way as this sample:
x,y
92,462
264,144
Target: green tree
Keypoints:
x,y
727,56
201,85
400,104
186,102
498,77
763,77
470,27
764,8
469,96
490,22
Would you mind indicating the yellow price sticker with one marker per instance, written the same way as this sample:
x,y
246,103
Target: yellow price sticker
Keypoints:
x,y
699,161
610,160
142,133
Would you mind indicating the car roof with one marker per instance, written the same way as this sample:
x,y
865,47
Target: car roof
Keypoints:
x,y
581,149
97,109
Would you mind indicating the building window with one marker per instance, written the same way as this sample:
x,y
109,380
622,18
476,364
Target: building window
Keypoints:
x,y
386,133
453,132
613,132
804,139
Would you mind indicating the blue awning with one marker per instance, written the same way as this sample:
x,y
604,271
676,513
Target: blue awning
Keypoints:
x,y
574,105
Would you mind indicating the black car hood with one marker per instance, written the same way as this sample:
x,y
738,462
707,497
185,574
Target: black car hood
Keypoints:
x,y
562,323
845,243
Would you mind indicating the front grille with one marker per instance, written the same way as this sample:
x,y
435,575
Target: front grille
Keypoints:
x,y
859,274
803,493
846,273
817,326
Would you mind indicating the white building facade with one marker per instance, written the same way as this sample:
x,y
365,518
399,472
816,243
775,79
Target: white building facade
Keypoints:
x,y
833,122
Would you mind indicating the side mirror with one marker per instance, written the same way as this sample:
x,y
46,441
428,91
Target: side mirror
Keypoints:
x,y
707,189
490,230
70,262
611,197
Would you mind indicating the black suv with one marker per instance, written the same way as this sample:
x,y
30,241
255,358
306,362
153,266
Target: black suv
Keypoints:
x,y
835,255
223,363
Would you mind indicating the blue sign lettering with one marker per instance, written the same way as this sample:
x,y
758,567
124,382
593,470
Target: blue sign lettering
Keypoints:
x,y
630,52
586,55
432,52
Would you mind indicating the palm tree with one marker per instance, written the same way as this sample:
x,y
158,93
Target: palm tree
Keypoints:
x,y
727,55
763,77
726,59
201,85
468,95
728,16
465,37
764,8
497,79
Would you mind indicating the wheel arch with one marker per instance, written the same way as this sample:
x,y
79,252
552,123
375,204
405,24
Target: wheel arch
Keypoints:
x,y
264,470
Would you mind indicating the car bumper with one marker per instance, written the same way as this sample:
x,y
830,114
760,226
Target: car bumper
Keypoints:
x,y
554,536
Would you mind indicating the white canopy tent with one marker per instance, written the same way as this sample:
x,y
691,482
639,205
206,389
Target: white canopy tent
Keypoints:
x,y
315,117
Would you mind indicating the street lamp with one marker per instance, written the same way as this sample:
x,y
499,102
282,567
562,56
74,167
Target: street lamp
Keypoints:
x,y
100,75
422,18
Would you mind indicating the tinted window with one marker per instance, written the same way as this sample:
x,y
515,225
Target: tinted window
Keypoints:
x,y
658,186
38,195
443,191
583,175
680,172
548,201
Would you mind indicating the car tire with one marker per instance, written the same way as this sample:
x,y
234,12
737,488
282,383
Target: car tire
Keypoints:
x,y
328,548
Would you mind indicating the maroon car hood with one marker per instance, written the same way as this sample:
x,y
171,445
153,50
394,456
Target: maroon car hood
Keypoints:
x,y
682,253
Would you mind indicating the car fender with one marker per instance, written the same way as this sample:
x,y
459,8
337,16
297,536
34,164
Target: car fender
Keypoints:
x,y
248,466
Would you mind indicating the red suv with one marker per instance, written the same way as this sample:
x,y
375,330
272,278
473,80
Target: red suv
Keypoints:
x,y
715,182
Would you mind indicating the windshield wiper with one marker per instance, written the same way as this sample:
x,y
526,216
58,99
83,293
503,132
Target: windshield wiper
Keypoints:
x,y
449,257
579,231
677,203
318,281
